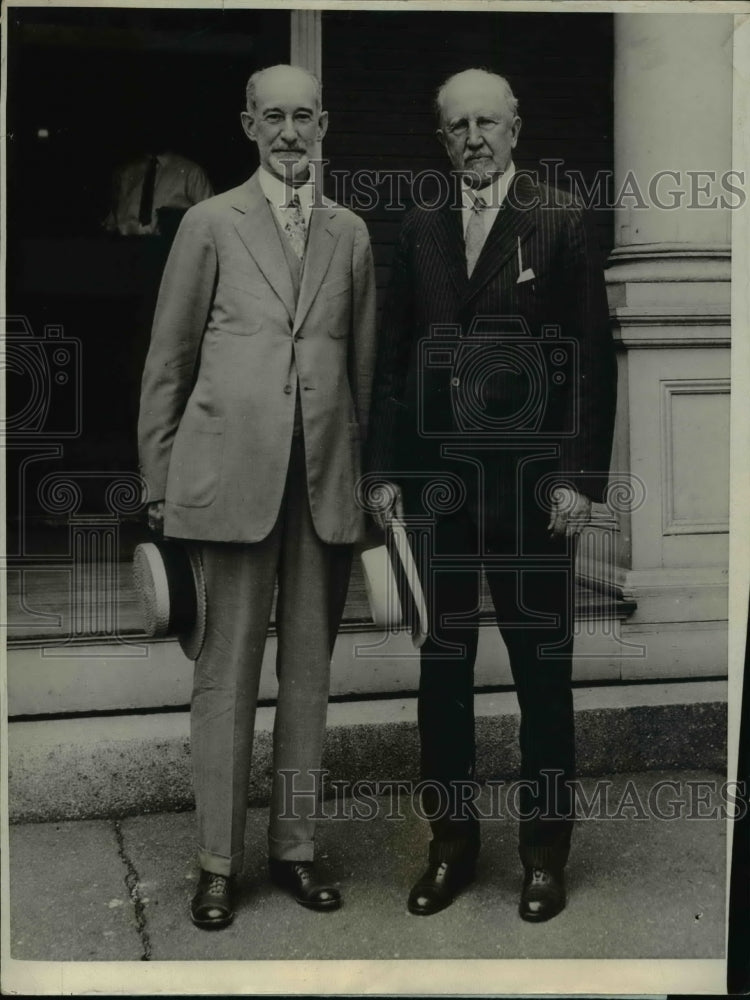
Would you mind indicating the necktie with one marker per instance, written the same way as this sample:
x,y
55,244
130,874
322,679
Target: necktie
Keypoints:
x,y
475,234
295,227
146,208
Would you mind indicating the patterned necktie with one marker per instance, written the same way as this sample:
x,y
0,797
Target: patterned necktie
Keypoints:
x,y
475,234
295,227
146,207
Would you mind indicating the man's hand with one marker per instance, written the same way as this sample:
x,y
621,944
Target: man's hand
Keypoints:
x,y
570,512
392,503
155,515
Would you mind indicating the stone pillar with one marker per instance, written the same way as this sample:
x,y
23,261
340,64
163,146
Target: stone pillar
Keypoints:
x,y
306,43
306,50
669,292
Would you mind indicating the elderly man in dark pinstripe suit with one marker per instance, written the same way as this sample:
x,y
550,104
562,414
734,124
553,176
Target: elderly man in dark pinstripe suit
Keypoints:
x,y
495,382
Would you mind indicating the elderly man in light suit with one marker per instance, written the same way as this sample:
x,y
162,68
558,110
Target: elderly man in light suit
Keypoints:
x,y
253,410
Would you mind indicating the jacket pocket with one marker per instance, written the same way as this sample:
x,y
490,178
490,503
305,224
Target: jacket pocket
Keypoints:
x,y
195,464
237,310
339,286
338,301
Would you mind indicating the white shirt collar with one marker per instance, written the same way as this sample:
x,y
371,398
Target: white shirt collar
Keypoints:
x,y
493,195
279,194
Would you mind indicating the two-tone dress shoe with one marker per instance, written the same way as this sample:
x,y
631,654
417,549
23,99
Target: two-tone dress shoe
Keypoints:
x,y
542,895
212,906
301,880
439,886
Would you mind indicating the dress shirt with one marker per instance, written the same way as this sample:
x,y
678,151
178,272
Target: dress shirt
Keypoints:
x,y
179,183
278,194
493,196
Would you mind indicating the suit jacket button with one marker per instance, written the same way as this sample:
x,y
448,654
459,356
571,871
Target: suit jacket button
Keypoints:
x,y
287,389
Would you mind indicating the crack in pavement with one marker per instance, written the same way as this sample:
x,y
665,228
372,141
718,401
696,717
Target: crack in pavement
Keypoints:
x,y
132,882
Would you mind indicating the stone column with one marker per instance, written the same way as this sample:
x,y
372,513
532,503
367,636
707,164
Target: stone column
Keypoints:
x,y
668,281
306,47
306,50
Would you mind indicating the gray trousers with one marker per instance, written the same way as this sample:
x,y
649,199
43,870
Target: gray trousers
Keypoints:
x,y
312,583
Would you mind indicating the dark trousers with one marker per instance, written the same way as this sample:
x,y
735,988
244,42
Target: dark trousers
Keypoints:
x,y
533,599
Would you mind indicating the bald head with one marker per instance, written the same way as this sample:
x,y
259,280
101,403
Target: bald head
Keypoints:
x,y
476,82
282,75
478,124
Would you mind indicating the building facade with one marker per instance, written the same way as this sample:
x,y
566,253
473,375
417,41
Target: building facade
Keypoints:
x,y
612,103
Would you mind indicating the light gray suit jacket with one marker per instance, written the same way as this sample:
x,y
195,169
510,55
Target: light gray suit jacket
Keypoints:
x,y
228,348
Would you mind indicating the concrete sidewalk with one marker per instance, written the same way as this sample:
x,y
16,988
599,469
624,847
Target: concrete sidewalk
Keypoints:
x,y
119,889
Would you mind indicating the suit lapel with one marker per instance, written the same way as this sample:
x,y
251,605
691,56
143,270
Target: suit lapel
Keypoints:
x,y
512,224
321,240
258,232
447,233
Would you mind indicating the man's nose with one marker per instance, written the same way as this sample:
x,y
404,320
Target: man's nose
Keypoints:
x,y
474,137
289,130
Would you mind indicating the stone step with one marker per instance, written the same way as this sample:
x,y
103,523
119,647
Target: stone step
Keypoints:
x,y
133,764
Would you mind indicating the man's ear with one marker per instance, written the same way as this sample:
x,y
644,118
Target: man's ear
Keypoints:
x,y
248,124
440,135
322,125
515,129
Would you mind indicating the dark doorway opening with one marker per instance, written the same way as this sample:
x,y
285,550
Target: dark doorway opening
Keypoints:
x,y
84,85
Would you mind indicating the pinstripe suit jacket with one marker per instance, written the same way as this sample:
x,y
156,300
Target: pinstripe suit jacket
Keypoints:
x,y
506,379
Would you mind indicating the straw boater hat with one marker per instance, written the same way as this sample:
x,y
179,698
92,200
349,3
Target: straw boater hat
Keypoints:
x,y
170,586
392,583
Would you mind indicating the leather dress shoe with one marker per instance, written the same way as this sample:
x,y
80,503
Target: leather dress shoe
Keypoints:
x,y
543,894
300,878
212,906
439,886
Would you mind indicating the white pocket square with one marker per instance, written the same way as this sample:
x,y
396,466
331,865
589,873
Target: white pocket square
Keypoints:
x,y
527,275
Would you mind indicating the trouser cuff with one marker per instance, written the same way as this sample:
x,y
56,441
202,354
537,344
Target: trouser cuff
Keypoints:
x,y
218,864
290,850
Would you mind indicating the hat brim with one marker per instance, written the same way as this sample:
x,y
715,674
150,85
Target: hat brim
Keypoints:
x,y
168,573
192,639
381,588
410,586
394,590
